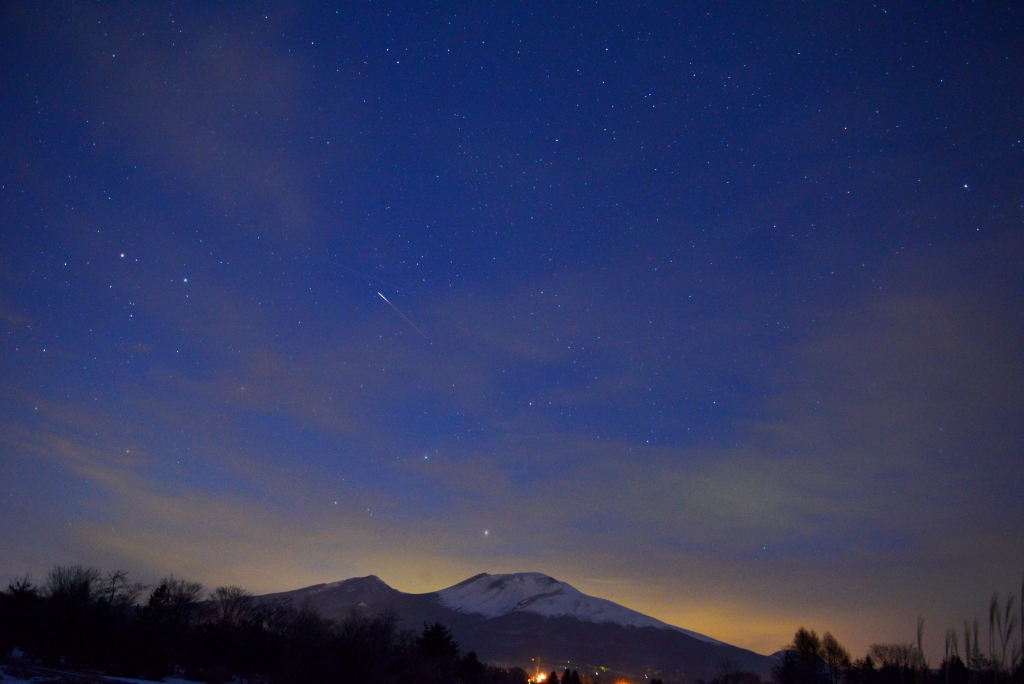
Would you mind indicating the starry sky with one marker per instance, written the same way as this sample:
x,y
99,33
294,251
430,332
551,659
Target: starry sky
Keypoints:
x,y
714,310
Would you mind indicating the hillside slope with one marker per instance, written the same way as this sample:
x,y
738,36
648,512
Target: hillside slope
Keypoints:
x,y
516,619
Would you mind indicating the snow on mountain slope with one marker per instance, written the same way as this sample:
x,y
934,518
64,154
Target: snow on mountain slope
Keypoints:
x,y
533,592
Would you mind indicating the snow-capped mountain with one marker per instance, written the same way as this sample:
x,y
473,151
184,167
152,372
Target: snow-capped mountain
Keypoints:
x,y
532,592
529,619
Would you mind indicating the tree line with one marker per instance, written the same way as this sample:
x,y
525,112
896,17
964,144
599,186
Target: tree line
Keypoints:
x,y
813,660
80,618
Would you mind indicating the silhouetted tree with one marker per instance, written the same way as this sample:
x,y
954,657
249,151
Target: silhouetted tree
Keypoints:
x,y
802,661
953,671
837,658
437,642
896,663
471,670
19,615
862,671
117,592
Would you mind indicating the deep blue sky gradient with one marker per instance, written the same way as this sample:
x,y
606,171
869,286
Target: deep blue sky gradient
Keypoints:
x,y
721,304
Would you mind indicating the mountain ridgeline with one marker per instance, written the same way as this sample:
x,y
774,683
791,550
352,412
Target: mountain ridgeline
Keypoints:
x,y
534,621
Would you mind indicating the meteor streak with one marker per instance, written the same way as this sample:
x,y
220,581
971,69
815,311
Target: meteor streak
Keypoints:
x,y
403,316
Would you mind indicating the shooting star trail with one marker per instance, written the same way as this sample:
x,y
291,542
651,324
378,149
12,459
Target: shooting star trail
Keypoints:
x,y
403,316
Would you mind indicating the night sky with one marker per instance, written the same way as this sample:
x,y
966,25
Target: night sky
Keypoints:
x,y
716,311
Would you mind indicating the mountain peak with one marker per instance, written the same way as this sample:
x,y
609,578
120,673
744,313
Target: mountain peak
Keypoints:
x,y
369,586
513,618
534,592
357,591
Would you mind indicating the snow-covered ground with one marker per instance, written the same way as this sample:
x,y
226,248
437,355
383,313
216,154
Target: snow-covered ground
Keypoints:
x,y
54,677
533,592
